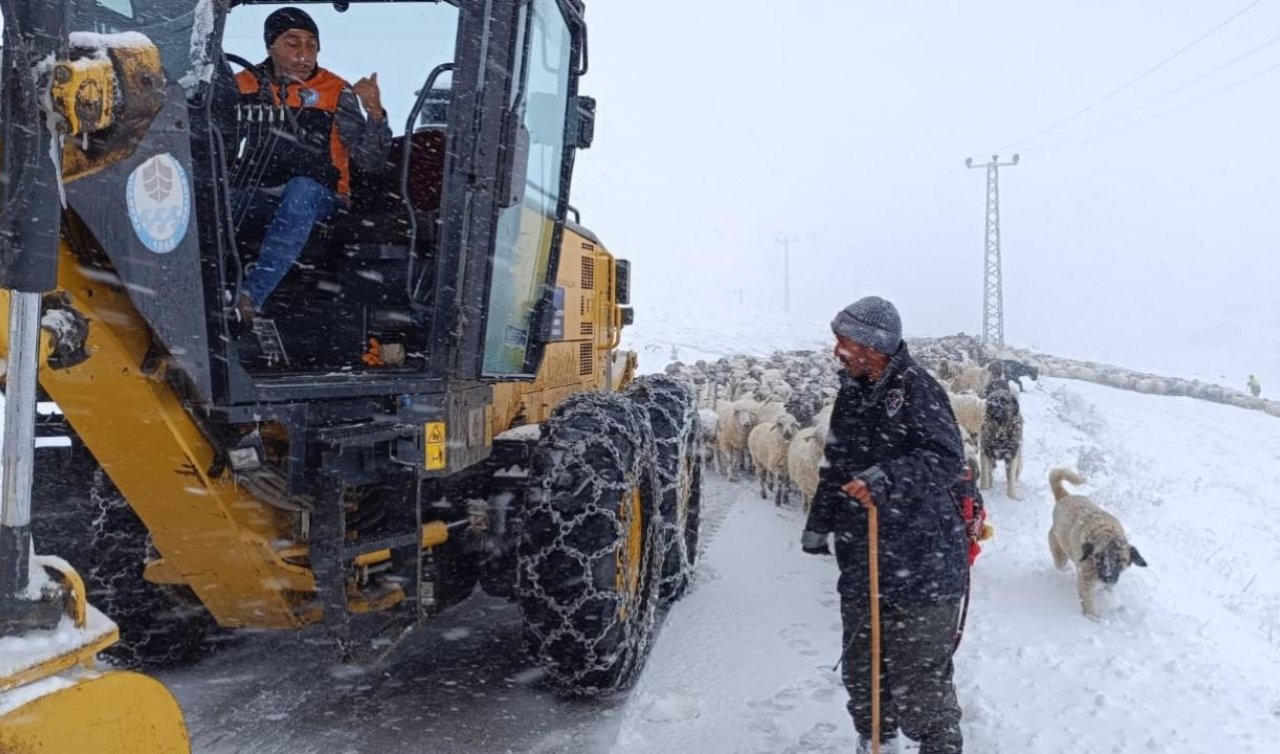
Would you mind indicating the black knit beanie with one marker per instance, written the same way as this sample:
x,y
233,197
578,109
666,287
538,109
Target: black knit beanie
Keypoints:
x,y
285,19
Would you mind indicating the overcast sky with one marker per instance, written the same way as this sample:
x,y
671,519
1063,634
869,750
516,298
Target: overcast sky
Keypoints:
x,y
727,124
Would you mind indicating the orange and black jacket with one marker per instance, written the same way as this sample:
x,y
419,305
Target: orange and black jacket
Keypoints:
x,y
311,129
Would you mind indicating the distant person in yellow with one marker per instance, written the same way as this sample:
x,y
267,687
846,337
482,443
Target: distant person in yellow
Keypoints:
x,y
1255,386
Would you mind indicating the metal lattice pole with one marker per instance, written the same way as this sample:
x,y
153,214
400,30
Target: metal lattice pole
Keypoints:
x,y
992,276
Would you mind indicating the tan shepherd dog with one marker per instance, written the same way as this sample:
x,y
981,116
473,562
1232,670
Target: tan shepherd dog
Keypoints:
x,y
1089,536
1002,440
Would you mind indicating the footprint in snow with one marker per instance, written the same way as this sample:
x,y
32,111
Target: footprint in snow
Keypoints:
x,y
783,701
822,738
796,638
672,708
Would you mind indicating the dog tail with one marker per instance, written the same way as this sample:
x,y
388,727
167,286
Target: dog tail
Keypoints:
x,y
1055,481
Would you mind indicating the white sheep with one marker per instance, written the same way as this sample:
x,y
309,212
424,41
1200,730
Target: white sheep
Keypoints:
x,y
970,411
768,443
744,388
971,380
804,458
766,411
708,424
733,423
822,422
774,391
755,413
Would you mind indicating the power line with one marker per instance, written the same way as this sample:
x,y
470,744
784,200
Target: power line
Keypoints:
x,y
1072,137
1135,79
1162,114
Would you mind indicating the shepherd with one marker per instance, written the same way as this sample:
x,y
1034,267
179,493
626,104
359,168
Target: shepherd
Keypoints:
x,y
893,454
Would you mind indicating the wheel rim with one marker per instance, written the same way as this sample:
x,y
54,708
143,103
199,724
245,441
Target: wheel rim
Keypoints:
x,y
630,551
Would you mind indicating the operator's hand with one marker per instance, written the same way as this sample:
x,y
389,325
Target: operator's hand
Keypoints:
x,y
858,490
814,543
370,96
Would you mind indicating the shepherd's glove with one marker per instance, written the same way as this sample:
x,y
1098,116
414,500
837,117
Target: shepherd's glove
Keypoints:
x,y
814,543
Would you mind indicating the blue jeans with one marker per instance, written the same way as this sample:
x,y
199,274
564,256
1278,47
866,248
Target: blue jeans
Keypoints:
x,y
293,212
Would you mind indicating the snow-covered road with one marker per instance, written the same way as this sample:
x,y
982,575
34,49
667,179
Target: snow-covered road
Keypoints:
x,y
1185,659
459,685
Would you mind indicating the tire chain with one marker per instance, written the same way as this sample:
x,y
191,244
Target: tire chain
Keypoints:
x,y
117,587
673,414
564,448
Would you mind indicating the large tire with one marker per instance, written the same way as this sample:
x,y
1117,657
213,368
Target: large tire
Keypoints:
x,y
672,410
589,560
78,514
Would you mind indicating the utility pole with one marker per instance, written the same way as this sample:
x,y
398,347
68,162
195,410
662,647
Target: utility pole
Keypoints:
x,y
992,278
786,272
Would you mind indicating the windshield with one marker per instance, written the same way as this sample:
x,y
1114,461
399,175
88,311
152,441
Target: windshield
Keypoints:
x,y
173,26
525,231
401,42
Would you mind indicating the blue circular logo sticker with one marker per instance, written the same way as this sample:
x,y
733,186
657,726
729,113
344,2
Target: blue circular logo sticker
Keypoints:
x,y
159,199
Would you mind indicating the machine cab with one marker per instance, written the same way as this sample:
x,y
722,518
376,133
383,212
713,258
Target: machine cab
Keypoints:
x,y
438,264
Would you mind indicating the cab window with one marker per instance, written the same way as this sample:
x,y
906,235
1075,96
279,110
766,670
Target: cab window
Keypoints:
x,y
523,250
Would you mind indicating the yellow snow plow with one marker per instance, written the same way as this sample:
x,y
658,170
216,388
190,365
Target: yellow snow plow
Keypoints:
x,y
53,695
434,395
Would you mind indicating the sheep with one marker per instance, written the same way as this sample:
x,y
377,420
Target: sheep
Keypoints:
x,y
733,422
804,405
970,411
774,391
971,380
711,395
766,411
972,453
708,424
804,458
768,443
822,422
744,388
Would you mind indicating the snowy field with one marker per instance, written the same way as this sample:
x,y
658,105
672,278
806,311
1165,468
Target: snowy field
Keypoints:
x,y
1186,657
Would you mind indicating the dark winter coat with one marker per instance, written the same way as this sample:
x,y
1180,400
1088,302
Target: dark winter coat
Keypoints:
x,y
320,135
899,436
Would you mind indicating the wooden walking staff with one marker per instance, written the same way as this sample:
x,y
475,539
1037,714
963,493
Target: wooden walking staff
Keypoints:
x,y
873,567
858,490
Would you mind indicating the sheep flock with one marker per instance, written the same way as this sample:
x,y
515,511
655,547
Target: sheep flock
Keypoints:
x,y
767,418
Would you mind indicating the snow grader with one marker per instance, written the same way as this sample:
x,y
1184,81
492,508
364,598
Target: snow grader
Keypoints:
x,y
434,400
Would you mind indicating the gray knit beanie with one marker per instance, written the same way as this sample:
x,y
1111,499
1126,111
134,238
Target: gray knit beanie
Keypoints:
x,y
871,321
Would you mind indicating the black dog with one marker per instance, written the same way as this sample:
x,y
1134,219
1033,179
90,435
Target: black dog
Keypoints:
x,y
1012,370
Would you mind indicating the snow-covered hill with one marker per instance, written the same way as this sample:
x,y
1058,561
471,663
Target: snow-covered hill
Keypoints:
x,y
1185,658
